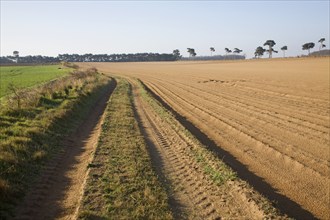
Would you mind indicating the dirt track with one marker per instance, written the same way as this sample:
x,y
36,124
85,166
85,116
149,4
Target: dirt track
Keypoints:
x,y
57,193
272,116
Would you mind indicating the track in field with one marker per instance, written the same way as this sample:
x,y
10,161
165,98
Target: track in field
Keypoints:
x,y
272,116
58,191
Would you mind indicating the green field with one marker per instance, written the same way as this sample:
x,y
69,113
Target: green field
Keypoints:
x,y
27,76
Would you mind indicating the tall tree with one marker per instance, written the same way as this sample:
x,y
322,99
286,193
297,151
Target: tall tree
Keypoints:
x,y
259,52
270,44
271,51
176,53
308,46
212,50
16,55
227,51
191,52
236,50
321,43
284,48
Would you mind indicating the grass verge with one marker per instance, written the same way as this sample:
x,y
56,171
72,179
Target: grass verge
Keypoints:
x,y
31,134
121,183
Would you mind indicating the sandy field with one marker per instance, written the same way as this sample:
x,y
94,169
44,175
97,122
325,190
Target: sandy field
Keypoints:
x,y
271,115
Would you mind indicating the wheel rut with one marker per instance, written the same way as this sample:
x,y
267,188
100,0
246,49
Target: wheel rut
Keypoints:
x,y
58,191
196,193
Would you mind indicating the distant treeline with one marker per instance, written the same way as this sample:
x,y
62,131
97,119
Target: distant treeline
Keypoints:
x,y
216,57
28,59
320,53
137,57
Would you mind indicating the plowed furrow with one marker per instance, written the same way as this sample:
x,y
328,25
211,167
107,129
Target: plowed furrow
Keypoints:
x,y
269,117
291,177
269,132
221,99
200,196
284,114
301,114
245,133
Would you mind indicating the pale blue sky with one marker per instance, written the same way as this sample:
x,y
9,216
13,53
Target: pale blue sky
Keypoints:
x,y
54,27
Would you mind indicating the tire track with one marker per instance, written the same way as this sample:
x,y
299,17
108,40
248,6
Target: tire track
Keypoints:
x,y
58,191
200,196
262,159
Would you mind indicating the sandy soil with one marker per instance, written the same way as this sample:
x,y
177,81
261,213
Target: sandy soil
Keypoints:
x,y
270,115
57,193
193,194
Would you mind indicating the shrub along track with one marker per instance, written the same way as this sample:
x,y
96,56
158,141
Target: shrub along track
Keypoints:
x,y
58,191
200,184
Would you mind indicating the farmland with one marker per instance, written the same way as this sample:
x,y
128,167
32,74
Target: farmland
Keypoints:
x,y
26,76
269,119
170,140
192,183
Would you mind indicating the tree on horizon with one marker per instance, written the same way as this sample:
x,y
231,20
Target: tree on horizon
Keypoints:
x,y
321,43
227,51
236,50
176,53
271,51
191,52
284,48
259,52
16,55
270,44
212,50
308,46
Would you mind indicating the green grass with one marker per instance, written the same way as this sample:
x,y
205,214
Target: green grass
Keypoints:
x,y
29,136
122,183
27,76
